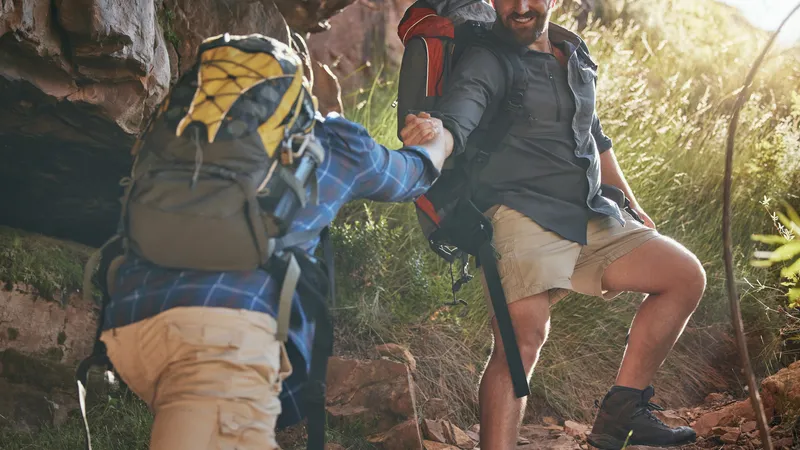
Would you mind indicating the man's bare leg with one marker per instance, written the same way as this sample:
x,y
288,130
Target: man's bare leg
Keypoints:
x,y
675,281
500,411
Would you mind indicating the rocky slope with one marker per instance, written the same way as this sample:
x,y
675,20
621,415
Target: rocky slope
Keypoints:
x,y
380,396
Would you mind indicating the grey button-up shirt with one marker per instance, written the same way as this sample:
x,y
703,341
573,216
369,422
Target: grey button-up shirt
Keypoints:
x,y
547,167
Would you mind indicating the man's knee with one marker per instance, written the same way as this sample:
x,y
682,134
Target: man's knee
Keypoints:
x,y
690,279
529,341
531,344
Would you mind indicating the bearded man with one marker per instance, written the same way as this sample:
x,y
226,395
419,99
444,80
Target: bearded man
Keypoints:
x,y
565,219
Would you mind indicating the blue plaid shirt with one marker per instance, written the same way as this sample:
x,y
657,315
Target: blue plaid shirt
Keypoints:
x,y
355,167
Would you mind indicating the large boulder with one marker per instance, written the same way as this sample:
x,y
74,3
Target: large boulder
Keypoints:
x,y
78,78
374,394
780,394
83,71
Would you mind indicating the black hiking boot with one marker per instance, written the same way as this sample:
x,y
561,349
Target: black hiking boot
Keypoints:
x,y
624,410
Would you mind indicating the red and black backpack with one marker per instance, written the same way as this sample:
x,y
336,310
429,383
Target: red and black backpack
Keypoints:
x,y
435,34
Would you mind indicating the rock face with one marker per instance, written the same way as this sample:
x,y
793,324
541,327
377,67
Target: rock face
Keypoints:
x,y
84,71
77,79
32,325
191,21
361,40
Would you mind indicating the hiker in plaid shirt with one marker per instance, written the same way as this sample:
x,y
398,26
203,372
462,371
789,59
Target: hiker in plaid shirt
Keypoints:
x,y
200,348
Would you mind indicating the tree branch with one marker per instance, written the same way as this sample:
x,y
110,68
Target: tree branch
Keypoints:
x,y
733,295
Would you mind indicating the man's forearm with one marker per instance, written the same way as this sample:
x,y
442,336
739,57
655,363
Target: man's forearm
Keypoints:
x,y
611,173
439,149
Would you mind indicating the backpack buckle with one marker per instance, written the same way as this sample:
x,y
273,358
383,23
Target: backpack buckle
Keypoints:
x,y
514,103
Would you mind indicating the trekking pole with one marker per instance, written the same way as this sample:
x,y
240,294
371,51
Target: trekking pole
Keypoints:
x,y
733,295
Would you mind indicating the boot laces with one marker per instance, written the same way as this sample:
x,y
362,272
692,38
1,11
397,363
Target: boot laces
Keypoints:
x,y
647,409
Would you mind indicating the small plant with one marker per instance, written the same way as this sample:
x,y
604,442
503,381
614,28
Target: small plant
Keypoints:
x,y
787,253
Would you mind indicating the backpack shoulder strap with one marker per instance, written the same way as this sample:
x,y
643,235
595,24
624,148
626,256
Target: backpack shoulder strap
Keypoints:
x,y
517,83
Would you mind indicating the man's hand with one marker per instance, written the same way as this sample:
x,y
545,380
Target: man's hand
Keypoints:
x,y
648,222
420,129
428,132
610,173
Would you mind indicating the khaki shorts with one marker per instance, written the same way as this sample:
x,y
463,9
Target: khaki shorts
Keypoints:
x,y
535,260
211,376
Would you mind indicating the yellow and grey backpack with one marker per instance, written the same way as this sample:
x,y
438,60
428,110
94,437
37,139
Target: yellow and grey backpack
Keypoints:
x,y
218,175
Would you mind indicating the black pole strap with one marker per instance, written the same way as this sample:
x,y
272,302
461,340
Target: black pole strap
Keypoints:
x,y
327,250
315,394
513,357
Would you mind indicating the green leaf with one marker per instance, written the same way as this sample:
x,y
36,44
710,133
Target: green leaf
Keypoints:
x,y
760,263
791,226
791,212
786,251
794,295
769,239
791,271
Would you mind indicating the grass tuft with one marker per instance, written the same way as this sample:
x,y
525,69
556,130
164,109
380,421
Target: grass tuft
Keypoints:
x,y
53,268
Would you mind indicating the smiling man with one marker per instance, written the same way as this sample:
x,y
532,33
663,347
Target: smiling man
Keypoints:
x,y
564,220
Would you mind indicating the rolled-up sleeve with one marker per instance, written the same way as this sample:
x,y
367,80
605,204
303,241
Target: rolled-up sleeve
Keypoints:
x,y
603,141
477,80
375,172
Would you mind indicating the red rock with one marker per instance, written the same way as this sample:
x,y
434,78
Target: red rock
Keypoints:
x,y
783,443
719,431
714,397
457,436
781,392
377,392
730,415
744,410
330,446
671,418
576,429
401,437
557,442
445,432
432,445
434,430
749,427
731,437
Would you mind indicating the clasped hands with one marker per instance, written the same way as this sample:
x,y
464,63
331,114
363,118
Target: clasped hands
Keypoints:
x,y
421,129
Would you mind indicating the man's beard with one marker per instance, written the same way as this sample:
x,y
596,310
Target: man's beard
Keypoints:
x,y
530,34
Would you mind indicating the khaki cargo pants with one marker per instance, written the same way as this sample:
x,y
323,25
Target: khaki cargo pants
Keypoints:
x,y
211,376
535,260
